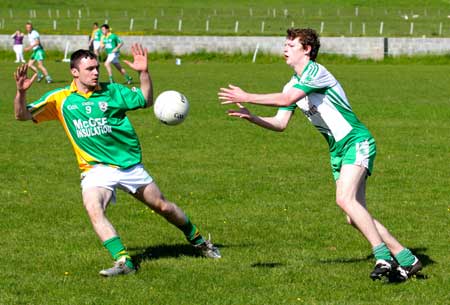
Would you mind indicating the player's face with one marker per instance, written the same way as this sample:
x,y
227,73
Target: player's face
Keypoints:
x,y
293,51
29,28
87,73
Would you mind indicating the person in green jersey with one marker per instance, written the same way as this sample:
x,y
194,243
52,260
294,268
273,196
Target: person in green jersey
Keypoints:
x,y
107,148
111,43
94,41
322,100
38,54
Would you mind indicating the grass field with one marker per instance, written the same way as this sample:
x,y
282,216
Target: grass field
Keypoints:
x,y
266,198
267,17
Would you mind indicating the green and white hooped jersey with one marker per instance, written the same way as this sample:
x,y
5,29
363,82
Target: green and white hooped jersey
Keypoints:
x,y
326,107
95,123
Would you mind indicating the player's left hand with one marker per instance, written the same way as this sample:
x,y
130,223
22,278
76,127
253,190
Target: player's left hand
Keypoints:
x,y
232,94
242,112
140,62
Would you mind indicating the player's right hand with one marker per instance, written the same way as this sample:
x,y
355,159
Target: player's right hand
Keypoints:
x,y
23,83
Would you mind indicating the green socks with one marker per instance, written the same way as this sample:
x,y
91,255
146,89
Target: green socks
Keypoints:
x,y
191,232
382,252
117,250
405,258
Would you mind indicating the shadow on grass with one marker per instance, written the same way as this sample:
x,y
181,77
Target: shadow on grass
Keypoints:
x,y
419,252
267,265
164,251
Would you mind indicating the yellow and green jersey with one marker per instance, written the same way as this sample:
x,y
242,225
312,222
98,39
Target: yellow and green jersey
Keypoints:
x,y
110,41
95,123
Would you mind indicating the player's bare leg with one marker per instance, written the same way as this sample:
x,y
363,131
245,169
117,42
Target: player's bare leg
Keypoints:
x,y
345,194
151,196
44,71
351,179
394,246
123,72
109,70
96,200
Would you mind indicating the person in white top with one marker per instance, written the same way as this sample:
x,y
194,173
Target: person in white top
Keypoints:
x,y
352,148
38,54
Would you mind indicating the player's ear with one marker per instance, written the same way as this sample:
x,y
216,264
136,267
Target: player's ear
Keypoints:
x,y
307,49
75,72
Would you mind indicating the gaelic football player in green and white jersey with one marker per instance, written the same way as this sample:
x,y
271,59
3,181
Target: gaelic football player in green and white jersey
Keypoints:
x,y
112,44
107,148
95,39
38,54
320,97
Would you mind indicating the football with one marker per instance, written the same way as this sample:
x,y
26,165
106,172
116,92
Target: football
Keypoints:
x,y
171,107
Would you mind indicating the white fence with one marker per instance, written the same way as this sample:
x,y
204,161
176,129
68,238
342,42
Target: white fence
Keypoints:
x,y
362,47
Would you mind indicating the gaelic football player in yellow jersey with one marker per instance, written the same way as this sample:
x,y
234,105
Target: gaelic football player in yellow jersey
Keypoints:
x,y
94,118
319,96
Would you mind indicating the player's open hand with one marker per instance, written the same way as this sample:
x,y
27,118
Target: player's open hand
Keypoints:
x,y
242,112
140,61
21,77
232,94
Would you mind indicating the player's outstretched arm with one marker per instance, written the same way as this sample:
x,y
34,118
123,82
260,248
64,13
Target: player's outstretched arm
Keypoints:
x,y
278,122
23,83
140,64
234,94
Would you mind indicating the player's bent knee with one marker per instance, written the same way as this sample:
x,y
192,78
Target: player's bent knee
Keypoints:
x,y
162,206
93,210
342,201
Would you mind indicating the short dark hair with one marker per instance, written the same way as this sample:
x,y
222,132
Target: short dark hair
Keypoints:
x,y
106,26
95,23
79,55
307,37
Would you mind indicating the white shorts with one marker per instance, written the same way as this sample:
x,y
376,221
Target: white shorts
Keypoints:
x,y
129,180
96,45
113,58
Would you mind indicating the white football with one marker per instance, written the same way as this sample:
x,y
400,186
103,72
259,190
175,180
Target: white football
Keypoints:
x,y
171,107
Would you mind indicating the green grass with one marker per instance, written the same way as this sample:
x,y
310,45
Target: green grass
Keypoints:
x,y
267,198
339,17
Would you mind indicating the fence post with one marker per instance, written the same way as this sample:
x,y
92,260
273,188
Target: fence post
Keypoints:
x,y
131,24
255,53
